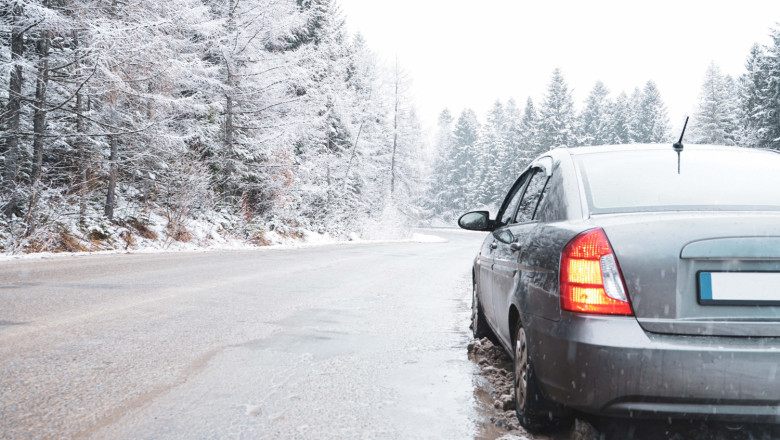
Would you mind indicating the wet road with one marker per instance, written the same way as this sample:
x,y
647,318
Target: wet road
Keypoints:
x,y
334,342
343,341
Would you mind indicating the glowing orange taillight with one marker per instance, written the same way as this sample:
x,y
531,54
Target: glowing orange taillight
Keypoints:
x,y
590,277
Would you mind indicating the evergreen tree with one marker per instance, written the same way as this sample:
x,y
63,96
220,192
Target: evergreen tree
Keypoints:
x,y
463,176
734,112
620,114
596,122
440,194
491,154
635,120
752,91
652,123
767,115
530,132
516,154
557,114
716,118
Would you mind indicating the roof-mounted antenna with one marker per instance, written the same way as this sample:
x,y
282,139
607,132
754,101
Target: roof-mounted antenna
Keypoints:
x,y
678,146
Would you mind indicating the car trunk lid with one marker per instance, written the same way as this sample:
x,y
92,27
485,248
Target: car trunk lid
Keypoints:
x,y
702,273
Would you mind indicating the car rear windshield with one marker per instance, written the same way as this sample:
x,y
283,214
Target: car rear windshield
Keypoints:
x,y
708,180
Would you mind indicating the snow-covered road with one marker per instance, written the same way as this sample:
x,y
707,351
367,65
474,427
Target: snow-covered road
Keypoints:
x,y
343,341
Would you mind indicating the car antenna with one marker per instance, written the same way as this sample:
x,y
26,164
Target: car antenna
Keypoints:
x,y
678,146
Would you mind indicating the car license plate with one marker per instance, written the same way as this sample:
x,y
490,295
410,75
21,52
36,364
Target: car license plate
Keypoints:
x,y
739,288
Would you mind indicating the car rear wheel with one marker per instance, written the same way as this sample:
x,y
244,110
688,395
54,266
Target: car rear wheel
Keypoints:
x,y
533,411
479,325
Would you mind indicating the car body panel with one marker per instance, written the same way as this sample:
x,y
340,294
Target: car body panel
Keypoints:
x,y
663,286
622,370
483,270
507,272
742,248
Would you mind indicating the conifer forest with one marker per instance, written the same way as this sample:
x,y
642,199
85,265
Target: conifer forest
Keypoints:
x,y
267,118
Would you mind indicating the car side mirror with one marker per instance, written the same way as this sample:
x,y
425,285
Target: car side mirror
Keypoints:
x,y
476,221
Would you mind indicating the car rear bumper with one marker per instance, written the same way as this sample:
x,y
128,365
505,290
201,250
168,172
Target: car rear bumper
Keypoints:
x,y
610,366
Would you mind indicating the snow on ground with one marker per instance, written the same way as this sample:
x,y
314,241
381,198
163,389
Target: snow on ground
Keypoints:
x,y
158,231
204,238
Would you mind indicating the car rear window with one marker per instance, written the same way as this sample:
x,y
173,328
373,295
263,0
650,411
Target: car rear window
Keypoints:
x,y
709,179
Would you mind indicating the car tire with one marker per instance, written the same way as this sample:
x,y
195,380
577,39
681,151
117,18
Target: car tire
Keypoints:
x,y
479,325
534,411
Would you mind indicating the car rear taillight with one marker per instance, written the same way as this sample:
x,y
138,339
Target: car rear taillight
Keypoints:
x,y
590,278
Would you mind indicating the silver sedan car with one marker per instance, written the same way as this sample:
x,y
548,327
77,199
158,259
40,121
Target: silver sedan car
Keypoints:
x,y
637,281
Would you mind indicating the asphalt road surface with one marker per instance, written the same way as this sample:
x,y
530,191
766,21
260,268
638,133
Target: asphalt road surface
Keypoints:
x,y
341,341
355,341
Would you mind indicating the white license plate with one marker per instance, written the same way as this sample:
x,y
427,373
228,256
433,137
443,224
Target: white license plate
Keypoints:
x,y
740,288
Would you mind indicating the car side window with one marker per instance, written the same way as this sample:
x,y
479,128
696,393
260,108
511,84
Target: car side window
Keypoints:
x,y
506,218
532,197
516,195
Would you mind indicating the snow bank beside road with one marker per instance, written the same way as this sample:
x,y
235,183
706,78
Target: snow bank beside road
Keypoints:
x,y
153,231
309,239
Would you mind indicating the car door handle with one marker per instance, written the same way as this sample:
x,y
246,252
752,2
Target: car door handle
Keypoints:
x,y
493,245
515,247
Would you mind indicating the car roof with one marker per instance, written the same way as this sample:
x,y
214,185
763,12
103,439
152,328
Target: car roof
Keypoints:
x,y
576,151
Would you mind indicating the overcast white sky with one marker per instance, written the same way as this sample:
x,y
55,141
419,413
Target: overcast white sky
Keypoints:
x,y
468,53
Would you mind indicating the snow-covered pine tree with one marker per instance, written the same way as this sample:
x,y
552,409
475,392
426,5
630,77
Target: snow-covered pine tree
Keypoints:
x,y
734,117
440,195
517,153
767,115
265,86
752,91
652,123
530,132
327,135
468,160
635,120
596,122
557,114
459,180
619,113
715,121
491,154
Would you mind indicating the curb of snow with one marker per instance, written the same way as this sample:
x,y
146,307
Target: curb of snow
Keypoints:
x,y
235,246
